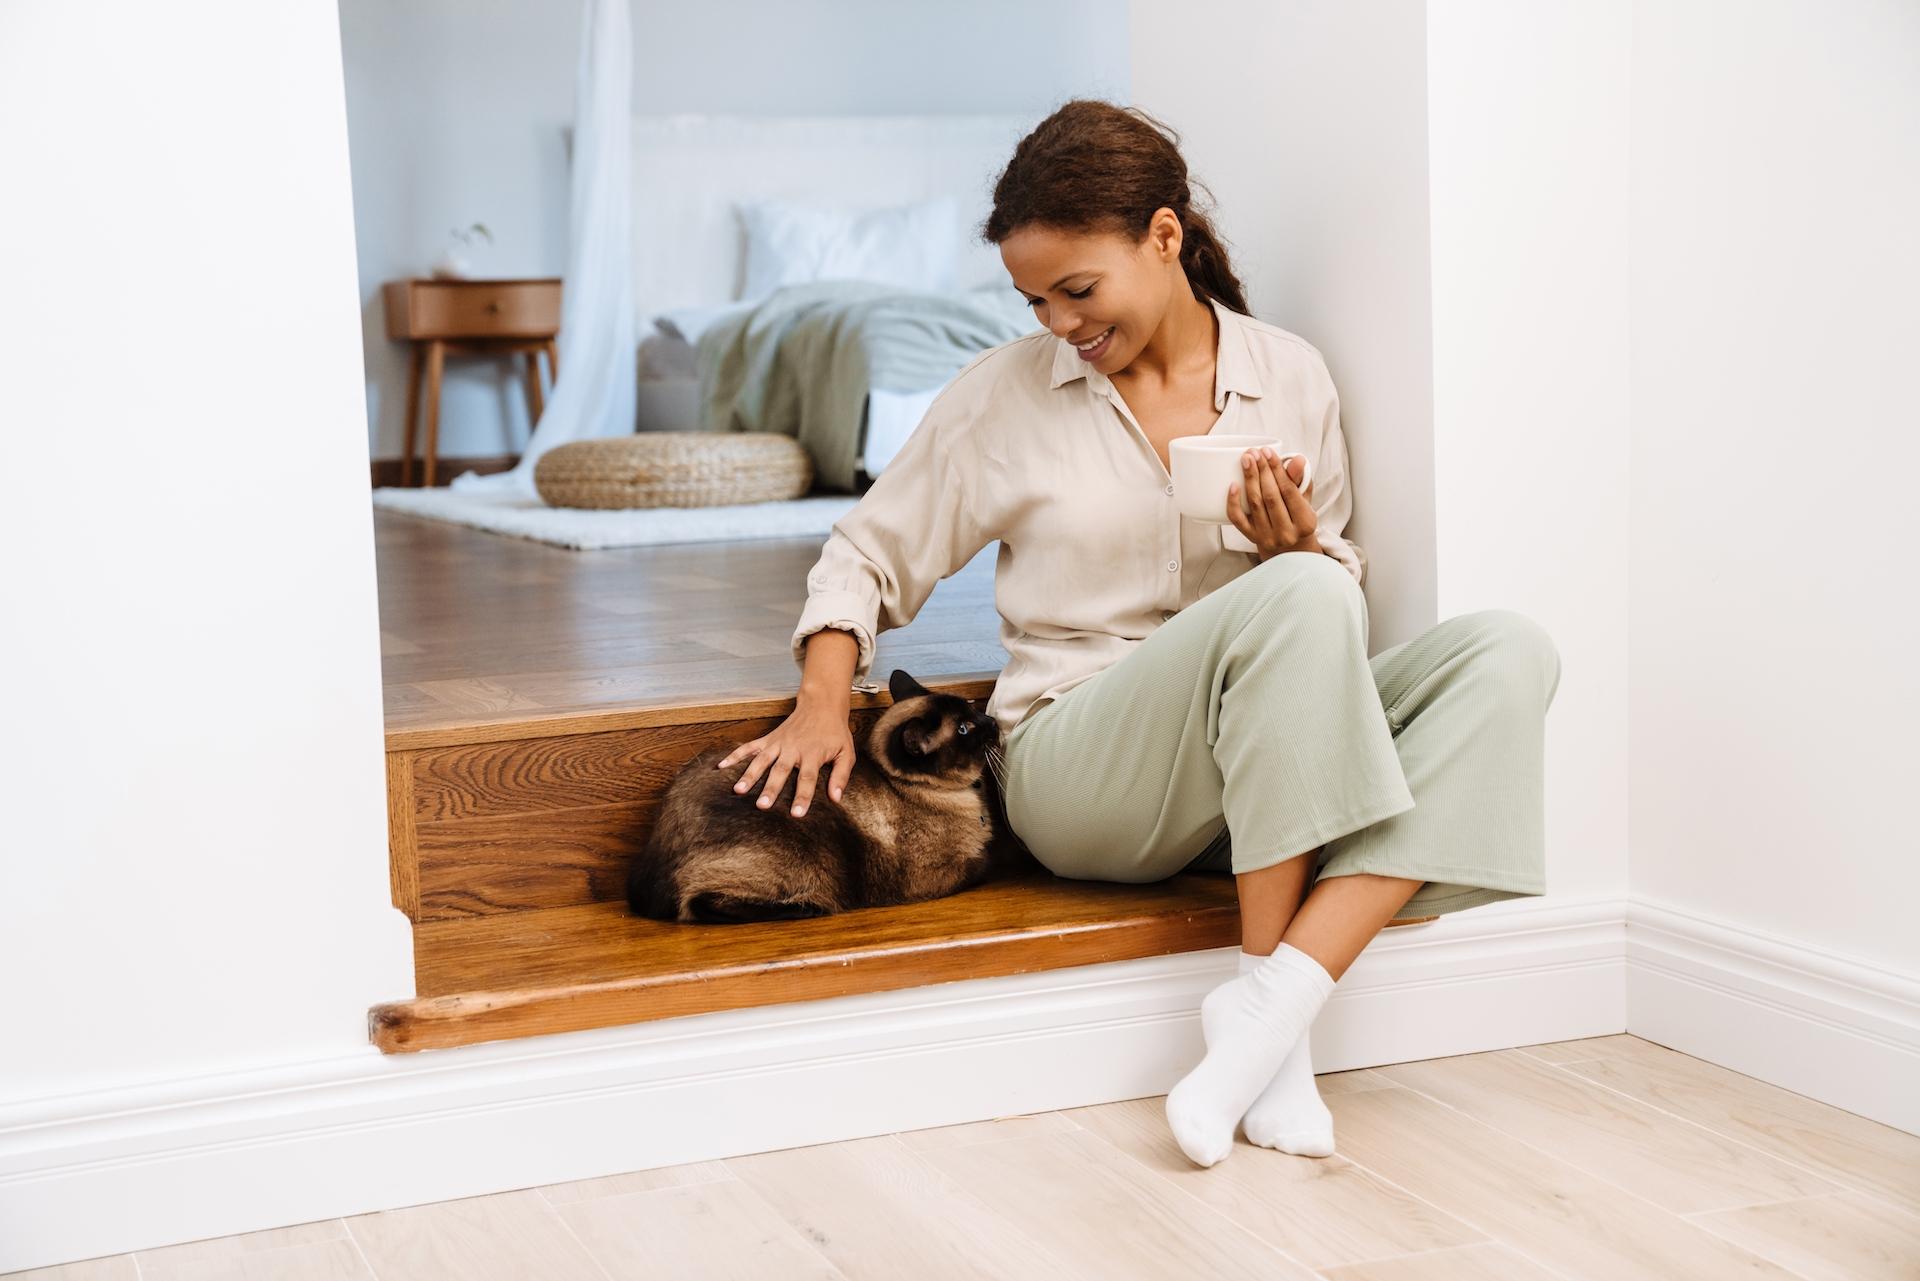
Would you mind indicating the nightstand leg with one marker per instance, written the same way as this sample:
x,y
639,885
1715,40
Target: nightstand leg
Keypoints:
x,y
413,412
535,406
436,359
553,362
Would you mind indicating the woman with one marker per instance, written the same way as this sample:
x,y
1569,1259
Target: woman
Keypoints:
x,y
1164,690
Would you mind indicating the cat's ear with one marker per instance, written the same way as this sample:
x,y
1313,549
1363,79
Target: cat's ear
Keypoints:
x,y
903,686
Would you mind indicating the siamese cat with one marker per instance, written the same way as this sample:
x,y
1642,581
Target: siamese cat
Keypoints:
x,y
919,818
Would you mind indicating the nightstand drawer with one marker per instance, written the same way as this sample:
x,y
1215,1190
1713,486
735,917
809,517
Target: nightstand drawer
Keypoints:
x,y
473,308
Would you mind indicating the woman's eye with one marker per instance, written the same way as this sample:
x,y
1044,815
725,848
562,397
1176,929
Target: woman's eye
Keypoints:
x,y
1035,302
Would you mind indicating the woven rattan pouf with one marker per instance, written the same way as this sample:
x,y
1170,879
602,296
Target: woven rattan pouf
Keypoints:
x,y
674,469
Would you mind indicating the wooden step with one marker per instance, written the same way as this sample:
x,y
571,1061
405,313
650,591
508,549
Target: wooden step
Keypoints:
x,y
510,842
514,974
530,813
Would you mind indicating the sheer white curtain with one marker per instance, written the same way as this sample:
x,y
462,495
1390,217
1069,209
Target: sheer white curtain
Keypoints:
x,y
594,395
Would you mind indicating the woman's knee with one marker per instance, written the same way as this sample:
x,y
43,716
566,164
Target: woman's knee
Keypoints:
x,y
1525,648
1313,587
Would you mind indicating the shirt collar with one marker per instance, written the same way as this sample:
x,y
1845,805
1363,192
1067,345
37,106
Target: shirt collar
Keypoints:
x,y
1233,368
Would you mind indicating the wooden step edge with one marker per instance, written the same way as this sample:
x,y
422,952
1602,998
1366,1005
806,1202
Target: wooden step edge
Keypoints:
x,y
469,1018
969,685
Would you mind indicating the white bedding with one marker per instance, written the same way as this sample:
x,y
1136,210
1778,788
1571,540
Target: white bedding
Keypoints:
x,y
884,176
669,379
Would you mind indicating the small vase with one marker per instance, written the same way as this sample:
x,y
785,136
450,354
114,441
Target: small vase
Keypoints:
x,y
452,266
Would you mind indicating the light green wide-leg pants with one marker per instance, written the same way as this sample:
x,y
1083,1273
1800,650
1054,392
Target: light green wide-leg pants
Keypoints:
x,y
1251,728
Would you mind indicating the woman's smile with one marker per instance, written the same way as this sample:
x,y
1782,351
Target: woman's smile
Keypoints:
x,y
1099,347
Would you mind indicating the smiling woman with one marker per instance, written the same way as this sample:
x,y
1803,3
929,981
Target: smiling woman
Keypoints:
x,y
1150,664
1255,714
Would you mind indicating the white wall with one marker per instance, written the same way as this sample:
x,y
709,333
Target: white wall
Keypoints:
x,y
196,870
1527,120
1318,167
1776,442
196,903
456,112
1462,265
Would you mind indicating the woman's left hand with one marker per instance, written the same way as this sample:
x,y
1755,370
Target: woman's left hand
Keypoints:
x,y
1282,517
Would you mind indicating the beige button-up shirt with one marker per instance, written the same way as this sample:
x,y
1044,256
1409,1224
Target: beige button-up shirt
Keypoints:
x,y
1035,447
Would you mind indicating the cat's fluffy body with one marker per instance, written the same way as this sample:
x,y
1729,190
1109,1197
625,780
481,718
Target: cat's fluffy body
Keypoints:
x,y
915,821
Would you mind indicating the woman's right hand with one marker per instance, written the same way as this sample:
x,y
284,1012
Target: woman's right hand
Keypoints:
x,y
812,736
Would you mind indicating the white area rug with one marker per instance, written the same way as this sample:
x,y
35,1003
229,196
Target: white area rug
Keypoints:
x,y
588,530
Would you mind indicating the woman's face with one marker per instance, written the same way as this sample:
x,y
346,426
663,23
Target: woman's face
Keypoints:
x,y
1083,284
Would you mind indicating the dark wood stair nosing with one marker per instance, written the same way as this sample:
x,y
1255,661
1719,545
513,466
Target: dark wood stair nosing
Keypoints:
x,y
465,1018
471,1017
971,685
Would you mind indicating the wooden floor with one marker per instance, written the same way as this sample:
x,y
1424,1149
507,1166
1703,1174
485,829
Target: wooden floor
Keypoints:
x,y
1612,1159
476,627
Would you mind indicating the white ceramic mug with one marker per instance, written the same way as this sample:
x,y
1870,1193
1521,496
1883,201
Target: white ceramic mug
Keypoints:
x,y
1203,469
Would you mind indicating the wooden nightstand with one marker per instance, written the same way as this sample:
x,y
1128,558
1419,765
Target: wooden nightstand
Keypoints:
x,y
486,317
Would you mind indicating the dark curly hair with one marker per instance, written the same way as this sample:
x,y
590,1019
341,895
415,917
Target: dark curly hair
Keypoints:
x,y
1095,166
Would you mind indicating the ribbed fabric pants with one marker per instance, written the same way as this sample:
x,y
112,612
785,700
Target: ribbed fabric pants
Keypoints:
x,y
1251,728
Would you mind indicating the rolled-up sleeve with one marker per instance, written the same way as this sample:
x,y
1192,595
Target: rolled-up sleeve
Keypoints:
x,y
1332,498
915,525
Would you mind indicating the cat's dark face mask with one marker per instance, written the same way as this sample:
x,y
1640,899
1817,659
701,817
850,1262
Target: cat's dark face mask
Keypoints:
x,y
948,730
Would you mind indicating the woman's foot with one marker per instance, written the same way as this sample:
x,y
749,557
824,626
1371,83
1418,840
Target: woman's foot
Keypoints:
x,y
1289,1115
1251,1023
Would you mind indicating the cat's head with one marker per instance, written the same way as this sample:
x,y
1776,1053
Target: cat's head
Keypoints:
x,y
932,736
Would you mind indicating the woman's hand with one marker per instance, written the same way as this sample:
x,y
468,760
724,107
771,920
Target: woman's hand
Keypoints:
x,y
1282,518
810,739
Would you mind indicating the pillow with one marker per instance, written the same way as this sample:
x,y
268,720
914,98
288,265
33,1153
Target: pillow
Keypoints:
x,y
688,323
664,356
912,246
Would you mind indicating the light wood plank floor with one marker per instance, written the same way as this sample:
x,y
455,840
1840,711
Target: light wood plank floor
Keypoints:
x,y
1613,1159
477,626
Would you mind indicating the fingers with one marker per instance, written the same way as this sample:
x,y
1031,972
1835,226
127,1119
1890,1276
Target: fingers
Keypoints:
x,y
1245,514
1267,520
1300,505
810,773
1279,518
753,769
735,754
803,787
1293,497
769,761
776,781
765,761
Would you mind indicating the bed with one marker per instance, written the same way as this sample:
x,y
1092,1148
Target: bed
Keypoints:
x,y
749,235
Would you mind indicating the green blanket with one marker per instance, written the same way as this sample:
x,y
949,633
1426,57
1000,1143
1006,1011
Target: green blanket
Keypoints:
x,y
802,361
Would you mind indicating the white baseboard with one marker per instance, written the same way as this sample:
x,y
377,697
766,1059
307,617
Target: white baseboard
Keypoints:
x,y
88,1175
1832,1028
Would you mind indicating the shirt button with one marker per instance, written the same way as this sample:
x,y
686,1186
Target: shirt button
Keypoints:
x,y
1172,565
1169,489
1165,614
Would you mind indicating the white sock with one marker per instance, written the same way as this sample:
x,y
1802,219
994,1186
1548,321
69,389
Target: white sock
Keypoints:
x,y
1251,1023
1289,1115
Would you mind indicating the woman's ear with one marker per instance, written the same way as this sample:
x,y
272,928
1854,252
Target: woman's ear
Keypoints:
x,y
1165,234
